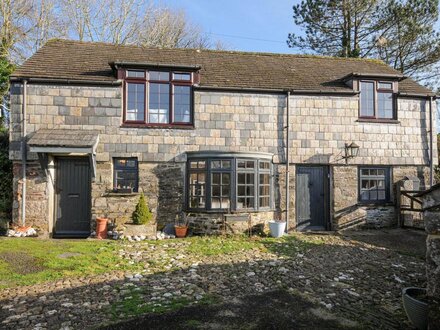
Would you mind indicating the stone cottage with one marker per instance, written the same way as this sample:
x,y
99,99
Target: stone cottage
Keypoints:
x,y
214,136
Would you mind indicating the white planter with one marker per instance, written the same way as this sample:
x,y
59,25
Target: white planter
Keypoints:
x,y
277,228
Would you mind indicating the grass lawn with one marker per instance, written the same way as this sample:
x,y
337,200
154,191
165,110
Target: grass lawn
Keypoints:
x,y
29,261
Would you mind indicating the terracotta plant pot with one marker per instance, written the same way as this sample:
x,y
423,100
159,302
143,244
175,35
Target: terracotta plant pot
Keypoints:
x,y
101,228
181,231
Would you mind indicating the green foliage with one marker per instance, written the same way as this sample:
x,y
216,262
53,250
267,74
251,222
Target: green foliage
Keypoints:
x,y
6,69
142,214
402,33
5,179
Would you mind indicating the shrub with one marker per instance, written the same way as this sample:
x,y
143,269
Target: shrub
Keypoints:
x,y
142,214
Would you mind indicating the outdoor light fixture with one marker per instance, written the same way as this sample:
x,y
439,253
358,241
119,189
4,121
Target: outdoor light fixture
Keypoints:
x,y
351,151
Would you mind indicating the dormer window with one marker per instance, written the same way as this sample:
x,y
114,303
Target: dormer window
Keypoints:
x,y
158,98
377,100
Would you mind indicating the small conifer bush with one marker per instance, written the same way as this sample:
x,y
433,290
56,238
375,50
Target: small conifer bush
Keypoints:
x,y
142,214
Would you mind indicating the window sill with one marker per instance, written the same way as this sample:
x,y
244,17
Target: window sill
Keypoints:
x,y
163,126
378,204
382,121
229,212
120,194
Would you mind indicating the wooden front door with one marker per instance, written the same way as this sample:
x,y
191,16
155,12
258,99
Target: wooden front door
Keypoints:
x,y
312,196
72,197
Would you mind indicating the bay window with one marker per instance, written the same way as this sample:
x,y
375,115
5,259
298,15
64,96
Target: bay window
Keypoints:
x,y
158,98
229,184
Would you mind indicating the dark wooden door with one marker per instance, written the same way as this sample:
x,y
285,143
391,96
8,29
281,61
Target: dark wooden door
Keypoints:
x,y
72,197
312,195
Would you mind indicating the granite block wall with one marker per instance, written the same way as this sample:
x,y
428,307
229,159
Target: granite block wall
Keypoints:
x,y
319,128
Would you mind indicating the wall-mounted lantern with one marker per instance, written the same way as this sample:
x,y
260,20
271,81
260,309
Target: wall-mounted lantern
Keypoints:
x,y
351,151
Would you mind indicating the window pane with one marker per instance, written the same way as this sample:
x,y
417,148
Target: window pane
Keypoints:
x,y
182,104
264,165
226,178
250,164
385,105
264,202
264,178
135,102
159,75
215,164
215,190
241,178
182,76
226,164
216,178
385,85
159,103
367,99
135,74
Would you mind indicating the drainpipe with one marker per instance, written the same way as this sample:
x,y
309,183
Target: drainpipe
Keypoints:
x,y
431,148
23,155
287,160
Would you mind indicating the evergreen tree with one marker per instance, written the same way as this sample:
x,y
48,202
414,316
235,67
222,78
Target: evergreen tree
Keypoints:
x,y
402,33
142,214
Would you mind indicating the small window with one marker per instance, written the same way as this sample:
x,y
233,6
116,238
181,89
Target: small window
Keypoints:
x,y
126,175
385,85
159,75
182,76
374,185
377,100
135,74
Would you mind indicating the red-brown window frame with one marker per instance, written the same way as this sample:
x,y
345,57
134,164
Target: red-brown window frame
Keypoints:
x,y
375,105
171,82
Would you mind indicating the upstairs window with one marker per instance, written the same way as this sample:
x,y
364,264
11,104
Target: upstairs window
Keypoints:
x,y
377,100
158,98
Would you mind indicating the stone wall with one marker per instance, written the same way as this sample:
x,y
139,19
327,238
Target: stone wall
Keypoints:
x,y
161,183
320,126
36,197
349,213
218,224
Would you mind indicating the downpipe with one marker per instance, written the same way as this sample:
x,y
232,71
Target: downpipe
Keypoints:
x,y
23,155
287,161
431,146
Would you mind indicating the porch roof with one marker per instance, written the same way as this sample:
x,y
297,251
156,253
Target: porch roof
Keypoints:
x,y
53,140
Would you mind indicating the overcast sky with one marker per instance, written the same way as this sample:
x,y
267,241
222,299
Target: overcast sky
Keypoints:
x,y
267,20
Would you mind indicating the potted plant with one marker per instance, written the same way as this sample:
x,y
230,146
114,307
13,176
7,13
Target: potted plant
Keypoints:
x,y
416,306
277,227
142,214
181,226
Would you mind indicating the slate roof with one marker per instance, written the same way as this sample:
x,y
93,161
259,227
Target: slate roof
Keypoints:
x,y
64,138
65,59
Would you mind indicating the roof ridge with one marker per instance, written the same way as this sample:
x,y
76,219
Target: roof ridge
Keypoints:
x,y
335,58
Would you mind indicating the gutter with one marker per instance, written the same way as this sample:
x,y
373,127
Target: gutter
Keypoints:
x,y
276,90
67,81
123,64
23,154
417,95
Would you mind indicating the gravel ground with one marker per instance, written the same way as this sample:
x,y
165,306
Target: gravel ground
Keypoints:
x,y
352,280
